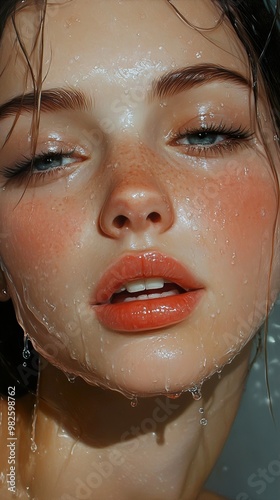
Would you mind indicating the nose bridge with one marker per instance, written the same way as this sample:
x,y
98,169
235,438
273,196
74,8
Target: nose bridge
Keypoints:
x,y
137,199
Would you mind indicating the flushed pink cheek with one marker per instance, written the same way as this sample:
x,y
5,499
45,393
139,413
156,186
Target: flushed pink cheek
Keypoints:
x,y
245,209
42,231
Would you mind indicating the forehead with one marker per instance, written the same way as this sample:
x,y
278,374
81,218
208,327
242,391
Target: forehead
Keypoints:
x,y
120,41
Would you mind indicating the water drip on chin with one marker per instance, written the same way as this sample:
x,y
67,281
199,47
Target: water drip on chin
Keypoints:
x,y
70,377
134,402
196,392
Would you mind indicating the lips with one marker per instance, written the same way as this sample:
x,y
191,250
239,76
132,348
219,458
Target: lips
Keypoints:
x,y
145,291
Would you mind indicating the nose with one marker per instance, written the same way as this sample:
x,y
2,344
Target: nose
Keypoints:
x,y
136,202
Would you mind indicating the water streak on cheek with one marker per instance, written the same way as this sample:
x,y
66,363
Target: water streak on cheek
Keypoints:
x,y
44,229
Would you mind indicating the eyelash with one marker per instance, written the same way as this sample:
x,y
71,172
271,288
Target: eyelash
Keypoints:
x,y
234,137
25,168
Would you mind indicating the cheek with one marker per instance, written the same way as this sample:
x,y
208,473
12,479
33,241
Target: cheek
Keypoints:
x,y
251,212
40,232
241,211
234,214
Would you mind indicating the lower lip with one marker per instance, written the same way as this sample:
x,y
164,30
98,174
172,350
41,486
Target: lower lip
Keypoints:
x,y
141,315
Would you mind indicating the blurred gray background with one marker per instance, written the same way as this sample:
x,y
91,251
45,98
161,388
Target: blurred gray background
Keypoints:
x,y
249,467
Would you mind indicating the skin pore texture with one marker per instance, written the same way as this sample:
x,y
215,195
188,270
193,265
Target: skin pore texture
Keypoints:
x,y
126,188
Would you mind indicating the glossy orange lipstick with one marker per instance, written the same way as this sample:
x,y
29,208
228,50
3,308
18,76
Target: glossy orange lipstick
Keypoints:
x,y
145,291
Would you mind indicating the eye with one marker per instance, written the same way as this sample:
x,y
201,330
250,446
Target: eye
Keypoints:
x,y
43,165
202,139
211,139
50,161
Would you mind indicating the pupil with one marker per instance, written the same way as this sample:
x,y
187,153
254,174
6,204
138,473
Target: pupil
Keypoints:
x,y
48,162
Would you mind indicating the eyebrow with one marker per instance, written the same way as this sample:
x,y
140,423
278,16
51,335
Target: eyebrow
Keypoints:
x,y
169,84
56,99
178,81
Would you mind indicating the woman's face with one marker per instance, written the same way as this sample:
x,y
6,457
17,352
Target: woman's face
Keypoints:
x,y
138,251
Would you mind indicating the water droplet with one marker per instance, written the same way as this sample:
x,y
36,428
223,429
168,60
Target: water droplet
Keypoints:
x,y
70,377
24,364
203,421
134,402
198,54
196,393
33,446
201,410
26,353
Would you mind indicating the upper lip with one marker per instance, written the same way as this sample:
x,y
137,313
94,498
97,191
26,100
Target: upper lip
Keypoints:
x,y
132,267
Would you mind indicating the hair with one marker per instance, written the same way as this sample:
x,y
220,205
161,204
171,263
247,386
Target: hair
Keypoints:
x,y
256,24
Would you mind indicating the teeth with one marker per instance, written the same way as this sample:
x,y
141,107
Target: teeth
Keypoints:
x,y
136,286
141,285
154,283
152,296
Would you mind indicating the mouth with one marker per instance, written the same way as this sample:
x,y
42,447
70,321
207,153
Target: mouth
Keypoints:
x,y
145,291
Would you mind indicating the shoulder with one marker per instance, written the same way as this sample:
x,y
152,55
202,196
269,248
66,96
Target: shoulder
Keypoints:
x,y
207,495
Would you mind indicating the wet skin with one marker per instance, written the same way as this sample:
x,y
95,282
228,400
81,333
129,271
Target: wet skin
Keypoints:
x,y
147,171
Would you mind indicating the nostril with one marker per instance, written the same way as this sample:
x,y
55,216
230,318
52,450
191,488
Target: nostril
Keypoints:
x,y
154,217
120,221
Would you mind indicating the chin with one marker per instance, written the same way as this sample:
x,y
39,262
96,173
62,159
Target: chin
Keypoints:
x,y
153,377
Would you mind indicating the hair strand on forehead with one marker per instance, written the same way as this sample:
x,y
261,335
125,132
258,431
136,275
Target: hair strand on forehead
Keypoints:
x,y
35,71
191,25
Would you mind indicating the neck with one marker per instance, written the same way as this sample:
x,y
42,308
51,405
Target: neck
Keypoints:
x,y
159,438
